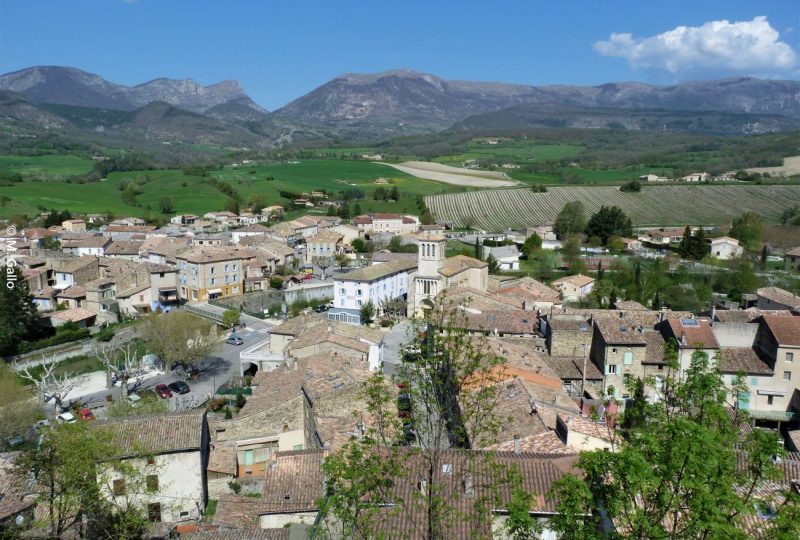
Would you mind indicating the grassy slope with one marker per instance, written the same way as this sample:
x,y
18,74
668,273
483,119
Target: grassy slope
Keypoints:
x,y
51,166
198,197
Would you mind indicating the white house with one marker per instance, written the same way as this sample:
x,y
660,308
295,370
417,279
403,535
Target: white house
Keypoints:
x,y
386,223
696,177
726,248
376,283
507,257
251,230
169,451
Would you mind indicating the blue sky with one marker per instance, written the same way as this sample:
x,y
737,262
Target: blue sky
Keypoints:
x,y
281,50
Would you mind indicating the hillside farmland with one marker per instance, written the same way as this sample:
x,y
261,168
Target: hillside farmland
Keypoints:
x,y
497,210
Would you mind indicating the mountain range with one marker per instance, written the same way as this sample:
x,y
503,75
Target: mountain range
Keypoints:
x,y
84,106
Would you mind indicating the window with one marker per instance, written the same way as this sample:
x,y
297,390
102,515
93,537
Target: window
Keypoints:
x,y
154,512
360,302
212,269
787,375
119,487
612,369
359,292
226,268
614,351
753,381
234,267
213,280
627,358
341,291
248,457
152,482
789,357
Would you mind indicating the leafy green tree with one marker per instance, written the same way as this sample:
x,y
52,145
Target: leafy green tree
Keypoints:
x,y
532,244
571,219
687,468
749,230
342,260
356,209
323,263
367,312
66,467
276,282
448,410
572,254
179,337
494,266
232,205
379,194
478,251
231,318
18,318
607,222
394,194
18,407
426,218
544,263
344,211
166,205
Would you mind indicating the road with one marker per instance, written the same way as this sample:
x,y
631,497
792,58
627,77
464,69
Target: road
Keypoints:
x,y
214,371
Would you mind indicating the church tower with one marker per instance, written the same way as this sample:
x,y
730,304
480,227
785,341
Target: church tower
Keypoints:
x,y
430,255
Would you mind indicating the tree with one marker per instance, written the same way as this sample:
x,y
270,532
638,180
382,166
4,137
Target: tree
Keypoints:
x,y
494,266
426,218
379,194
49,383
232,205
166,205
342,260
394,194
356,209
276,282
396,245
179,337
367,312
571,219
122,362
450,391
231,318
323,263
749,230
544,263
616,244
71,483
634,186
687,468
18,318
532,244
344,211
478,250
572,254
18,408
609,221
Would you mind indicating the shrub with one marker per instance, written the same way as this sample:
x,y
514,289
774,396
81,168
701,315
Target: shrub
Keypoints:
x,y
241,401
105,335
217,404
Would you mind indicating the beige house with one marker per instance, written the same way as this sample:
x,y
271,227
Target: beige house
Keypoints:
x,y
574,287
386,223
324,244
74,225
206,273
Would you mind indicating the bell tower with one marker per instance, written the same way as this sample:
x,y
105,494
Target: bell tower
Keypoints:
x,y
430,255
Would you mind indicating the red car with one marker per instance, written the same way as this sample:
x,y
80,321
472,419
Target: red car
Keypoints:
x,y
163,391
86,414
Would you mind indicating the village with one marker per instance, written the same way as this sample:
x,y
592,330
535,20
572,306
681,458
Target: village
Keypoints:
x,y
305,316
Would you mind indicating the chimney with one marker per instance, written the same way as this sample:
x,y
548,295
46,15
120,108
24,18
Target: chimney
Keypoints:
x,y
516,444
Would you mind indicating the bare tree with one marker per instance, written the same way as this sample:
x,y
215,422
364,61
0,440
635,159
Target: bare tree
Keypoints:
x,y
122,362
48,383
323,263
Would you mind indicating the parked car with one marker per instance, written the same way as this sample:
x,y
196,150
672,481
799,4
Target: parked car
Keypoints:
x,y
86,414
179,387
66,418
234,340
163,391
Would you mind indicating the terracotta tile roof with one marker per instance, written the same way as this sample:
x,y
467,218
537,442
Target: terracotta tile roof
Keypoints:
x,y
73,264
388,256
542,443
620,333
571,368
238,534
124,248
692,333
459,263
130,228
786,330
160,433
293,482
510,321
512,406
578,280
73,315
378,271
325,237
747,315
210,254
76,291
88,241
733,360
779,296
255,228
530,289
222,459
794,253
12,487
654,351
630,305
480,300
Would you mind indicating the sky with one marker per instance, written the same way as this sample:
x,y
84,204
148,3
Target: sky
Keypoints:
x,y
280,50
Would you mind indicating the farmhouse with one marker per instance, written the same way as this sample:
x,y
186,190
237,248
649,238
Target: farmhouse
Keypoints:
x,y
386,223
653,178
662,236
574,287
696,177
726,248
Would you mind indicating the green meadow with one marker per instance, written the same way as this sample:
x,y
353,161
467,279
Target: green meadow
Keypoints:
x,y
48,166
513,151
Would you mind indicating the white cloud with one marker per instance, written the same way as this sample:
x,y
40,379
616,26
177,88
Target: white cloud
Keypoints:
x,y
742,46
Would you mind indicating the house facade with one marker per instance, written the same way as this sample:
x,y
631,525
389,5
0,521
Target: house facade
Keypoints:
x,y
375,284
212,272
726,248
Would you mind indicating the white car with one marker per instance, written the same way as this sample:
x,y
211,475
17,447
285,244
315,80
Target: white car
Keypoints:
x,y
66,418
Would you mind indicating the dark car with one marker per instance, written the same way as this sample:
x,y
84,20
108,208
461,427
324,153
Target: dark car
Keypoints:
x,y
234,340
179,387
163,391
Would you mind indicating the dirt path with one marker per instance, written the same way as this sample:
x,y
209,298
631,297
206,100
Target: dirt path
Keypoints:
x,y
454,175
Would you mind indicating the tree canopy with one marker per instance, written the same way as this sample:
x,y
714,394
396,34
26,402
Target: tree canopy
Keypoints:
x,y
607,222
571,219
749,230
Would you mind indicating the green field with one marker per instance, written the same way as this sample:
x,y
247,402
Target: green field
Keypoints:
x,y
48,166
194,194
513,151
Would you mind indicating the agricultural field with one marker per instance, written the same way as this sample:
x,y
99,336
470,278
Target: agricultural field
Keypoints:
x,y
513,151
456,176
194,194
56,167
497,210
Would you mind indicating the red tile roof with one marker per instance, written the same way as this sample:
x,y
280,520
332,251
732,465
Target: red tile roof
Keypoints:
x,y
786,330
